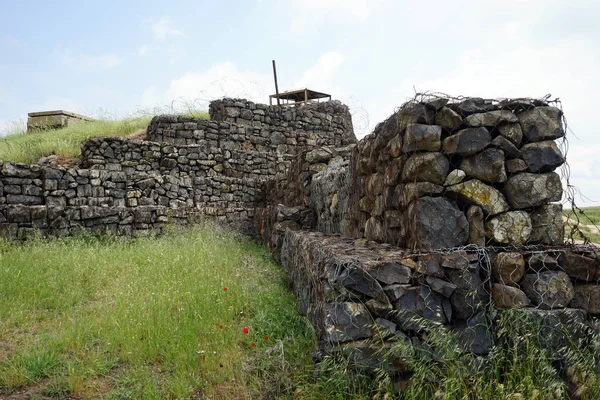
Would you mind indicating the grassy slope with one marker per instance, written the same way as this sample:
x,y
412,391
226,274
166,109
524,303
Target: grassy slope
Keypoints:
x,y
148,318
24,147
589,221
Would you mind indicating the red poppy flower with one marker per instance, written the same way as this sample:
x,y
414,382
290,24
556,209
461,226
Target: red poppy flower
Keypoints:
x,y
266,338
245,330
220,326
252,344
224,289
221,364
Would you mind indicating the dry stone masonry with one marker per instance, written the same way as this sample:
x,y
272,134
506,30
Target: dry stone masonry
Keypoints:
x,y
447,213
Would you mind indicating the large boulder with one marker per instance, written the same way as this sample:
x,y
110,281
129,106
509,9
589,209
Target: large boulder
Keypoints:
x,y
467,141
487,166
542,156
345,322
548,289
587,297
426,167
448,119
491,118
419,137
508,268
478,193
581,267
435,222
505,296
509,228
547,224
541,123
512,132
532,190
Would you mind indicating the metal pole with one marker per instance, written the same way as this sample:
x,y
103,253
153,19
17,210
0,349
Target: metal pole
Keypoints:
x,y
276,87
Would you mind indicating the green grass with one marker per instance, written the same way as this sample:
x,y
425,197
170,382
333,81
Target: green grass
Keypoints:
x,y
589,222
29,147
148,318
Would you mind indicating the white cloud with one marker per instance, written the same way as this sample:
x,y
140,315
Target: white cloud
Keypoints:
x,y
311,14
162,28
104,61
143,50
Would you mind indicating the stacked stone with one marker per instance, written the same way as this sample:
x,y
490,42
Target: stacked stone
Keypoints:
x,y
443,174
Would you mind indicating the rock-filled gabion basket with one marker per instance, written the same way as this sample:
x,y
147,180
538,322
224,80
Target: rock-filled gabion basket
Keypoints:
x,y
444,172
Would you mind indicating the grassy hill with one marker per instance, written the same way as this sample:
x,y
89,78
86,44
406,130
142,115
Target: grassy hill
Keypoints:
x,y
29,147
588,222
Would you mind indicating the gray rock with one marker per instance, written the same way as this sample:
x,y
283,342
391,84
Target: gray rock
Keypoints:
x,y
426,167
491,118
508,268
467,141
468,302
455,176
419,302
448,119
532,190
580,267
465,279
487,166
345,322
512,132
394,292
319,155
420,137
556,329
21,199
547,224
544,261
542,156
510,150
587,297
478,193
412,113
436,102
476,226
548,289
541,123
386,325
516,165
476,336
430,264
505,296
472,105
379,308
436,223
390,272
359,280
440,286
374,230
413,191
509,228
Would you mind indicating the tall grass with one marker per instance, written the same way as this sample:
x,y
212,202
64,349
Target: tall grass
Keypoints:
x,y
147,318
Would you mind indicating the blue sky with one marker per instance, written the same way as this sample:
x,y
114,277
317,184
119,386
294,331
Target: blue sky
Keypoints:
x,y
116,58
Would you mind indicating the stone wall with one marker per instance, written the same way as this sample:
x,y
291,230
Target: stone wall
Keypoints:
x,y
189,167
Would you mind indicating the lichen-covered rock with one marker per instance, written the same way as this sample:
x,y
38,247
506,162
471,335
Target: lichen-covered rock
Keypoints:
x,y
435,222
547,224
587,297
505,296
510,150
541,123
476,226
548,289
509,228
512,132
412,191
419,137
448,119
542,156
455,176
467,141
319,155
475,192
374,230
491,118
426,167
487,166
516,165
532,190
508,268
